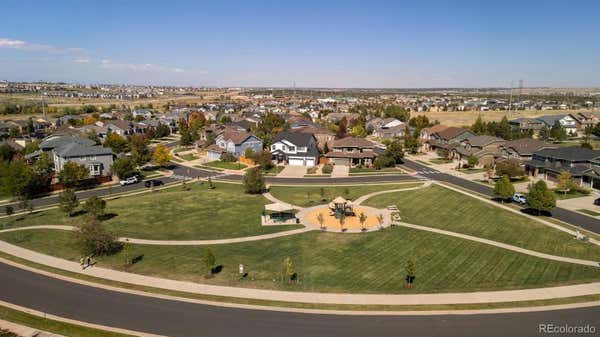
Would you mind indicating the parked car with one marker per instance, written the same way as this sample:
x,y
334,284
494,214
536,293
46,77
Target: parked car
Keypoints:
x,y
597,202
519,198
129,181
153,182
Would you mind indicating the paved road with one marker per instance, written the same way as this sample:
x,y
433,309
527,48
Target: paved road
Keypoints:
x,y
175,318
562,214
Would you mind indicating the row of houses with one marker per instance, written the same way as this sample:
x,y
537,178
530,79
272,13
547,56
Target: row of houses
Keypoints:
x,y
574,123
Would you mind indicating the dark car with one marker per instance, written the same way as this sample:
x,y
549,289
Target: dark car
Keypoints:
x,y
597,202
153,182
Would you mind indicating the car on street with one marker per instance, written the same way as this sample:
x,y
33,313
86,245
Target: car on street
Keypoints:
x,y
519,198
597,202
153,182
129,181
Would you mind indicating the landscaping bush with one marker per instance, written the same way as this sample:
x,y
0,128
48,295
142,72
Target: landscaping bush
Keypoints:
x,y
254,183
384,161
96,240
228,157
327,168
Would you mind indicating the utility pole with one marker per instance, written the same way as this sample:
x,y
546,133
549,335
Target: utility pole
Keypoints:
x,y
510,98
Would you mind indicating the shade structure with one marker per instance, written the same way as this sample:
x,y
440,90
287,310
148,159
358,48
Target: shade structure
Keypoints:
x,y
278,207
339,200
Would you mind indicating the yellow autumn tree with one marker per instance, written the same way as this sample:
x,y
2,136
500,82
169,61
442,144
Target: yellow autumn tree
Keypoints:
x,y
161,156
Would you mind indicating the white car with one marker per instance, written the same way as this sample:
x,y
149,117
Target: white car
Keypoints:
x,y
129,181
519,198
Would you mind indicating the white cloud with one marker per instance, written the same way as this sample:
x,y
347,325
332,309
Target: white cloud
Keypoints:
x,y
139,67
24,45
82,60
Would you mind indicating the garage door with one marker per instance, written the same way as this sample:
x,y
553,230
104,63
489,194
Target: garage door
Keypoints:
x,y
296,162
310,162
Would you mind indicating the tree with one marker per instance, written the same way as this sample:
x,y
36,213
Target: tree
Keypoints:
x,y
321,220
396,111
161,131
504,188
95,206
116,143
540,197
68,201
288,269
139,149
395,150
419,122
411,143
511,167
254,183
161,155
18,179
479,127
362,218
124,167
359,131
342,128
409,268
209,260
565,182
544,133
72,174
384,161
6,152
94,239
558,132
586,145
473,160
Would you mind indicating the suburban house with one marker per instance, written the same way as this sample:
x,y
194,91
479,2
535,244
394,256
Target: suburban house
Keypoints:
x,y
448,138
234,142
322,134
425,135
566,121
335,117
582,163
55,141
295,149
585,119
526,124
386,128
143,113
352,152
485,148
522,149
97,159
120,127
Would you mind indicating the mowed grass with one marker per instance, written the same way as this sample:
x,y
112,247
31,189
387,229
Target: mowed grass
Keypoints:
x,y
333,262
443,208
314,195
225,165
175,214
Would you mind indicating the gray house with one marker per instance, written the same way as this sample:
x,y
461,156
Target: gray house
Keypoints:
x,y
96,158
234,142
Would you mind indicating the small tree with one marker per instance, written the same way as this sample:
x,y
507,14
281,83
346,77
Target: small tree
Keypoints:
x,y
321,220
94,239
254,183
409,268
288,269
504,188
209,260
511,167
362,218
540,197
565,182
123,167
95,206
72,173
473,160
68,201
161,155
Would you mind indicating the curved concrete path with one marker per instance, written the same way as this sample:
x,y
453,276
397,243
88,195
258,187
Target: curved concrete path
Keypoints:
x,y
304,297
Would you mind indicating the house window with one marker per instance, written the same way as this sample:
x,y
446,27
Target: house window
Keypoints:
x,y
94,169
292,148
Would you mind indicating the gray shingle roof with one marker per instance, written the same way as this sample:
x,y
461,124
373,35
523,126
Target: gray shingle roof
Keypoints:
x,y
54,142
571,153
78,150
296,138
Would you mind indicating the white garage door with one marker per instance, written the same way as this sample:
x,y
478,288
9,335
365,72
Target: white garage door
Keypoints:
x,y
310,162
296,162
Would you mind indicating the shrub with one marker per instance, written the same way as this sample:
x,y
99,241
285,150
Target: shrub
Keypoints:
x,y
228,157
327,168
96,240
254,183
384,161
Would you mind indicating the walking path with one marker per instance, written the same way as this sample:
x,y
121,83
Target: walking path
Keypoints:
x,y
305,297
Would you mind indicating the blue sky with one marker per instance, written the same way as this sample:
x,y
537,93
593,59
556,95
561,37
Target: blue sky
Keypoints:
x,y
398,44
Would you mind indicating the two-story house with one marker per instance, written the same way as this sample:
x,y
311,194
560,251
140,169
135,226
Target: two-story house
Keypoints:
x,y
522,149
295,149
448,138
582,163
352,152
234,142
566,121
82,151
485,148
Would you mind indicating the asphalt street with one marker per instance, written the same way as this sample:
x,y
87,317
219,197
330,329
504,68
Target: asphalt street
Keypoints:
x,y
174,318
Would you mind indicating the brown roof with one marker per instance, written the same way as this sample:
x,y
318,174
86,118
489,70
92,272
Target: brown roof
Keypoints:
x,y
215,148
353,142
237,137
450,132
341,154
437,128
314,130
527,145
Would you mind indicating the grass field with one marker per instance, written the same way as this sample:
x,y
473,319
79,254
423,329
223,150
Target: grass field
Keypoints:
x,y
174,214
359,170
440,161
332,262
188,157
440,207
226,165
311,195
569,195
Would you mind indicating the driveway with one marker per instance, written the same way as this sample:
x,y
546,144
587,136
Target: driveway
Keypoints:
x,y
340,171
293,172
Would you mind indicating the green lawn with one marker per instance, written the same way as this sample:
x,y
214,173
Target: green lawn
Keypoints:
x,y
440,161
311,195
273,170
374,170
188,157
423,162
174,214
226,165
440,207
569,195
333,262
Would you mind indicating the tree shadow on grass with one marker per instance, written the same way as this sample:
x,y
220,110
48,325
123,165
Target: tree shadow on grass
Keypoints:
x,y
107,216
534,212
217,269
